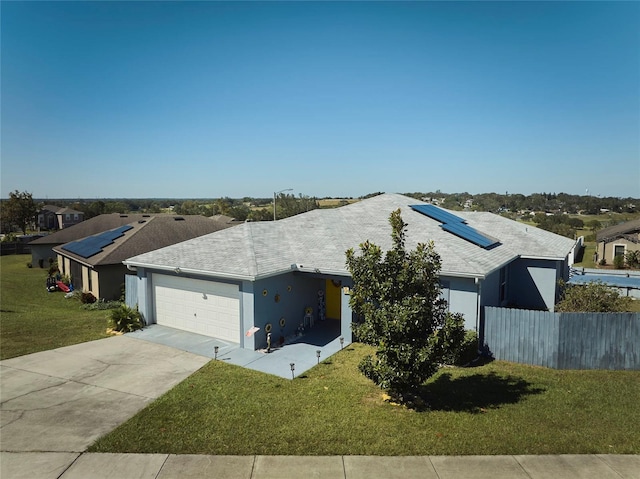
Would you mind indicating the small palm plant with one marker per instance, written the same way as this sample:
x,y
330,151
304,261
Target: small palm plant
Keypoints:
x,y
125,319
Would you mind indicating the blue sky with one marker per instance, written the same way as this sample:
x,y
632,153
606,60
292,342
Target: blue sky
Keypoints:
x,y
211,99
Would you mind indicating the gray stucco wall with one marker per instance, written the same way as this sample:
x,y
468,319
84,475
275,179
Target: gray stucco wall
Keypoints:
x,y
463,298
296,292
41,252
246,314
491,290
533,283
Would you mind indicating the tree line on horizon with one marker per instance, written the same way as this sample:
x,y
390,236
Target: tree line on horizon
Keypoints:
x,y
552,209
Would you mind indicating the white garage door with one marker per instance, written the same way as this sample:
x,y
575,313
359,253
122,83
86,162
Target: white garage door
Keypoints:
x,y
203,307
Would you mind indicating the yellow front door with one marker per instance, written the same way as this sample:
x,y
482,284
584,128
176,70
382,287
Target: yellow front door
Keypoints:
x,y
333,298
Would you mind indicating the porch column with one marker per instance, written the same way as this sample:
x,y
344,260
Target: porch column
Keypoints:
x,y
346,314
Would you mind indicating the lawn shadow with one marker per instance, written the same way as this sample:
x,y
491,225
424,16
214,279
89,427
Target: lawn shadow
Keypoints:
x,y
474,393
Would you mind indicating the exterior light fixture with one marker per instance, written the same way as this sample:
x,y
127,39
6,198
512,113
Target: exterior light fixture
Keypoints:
x,y
215,352
274,200
341,342
318,355
293,368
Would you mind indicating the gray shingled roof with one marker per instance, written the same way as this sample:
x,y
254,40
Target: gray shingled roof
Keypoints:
x,y
616,231
109,221
89,227
150,232
318,240
59,209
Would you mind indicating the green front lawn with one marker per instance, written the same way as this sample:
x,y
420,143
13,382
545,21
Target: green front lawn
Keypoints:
x,y
497,408
33,319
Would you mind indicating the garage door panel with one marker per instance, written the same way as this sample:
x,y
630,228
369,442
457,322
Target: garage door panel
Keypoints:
x,y
203,307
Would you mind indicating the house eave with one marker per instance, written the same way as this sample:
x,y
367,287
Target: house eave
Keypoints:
x,y
323,271
176,270
546,258
73,258
458,274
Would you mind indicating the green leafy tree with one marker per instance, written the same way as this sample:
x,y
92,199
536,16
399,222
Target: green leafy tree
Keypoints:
x,y
398,297
592,297
632,258
593,225
260,214
289,205
20,210
192,207
116,207
239,212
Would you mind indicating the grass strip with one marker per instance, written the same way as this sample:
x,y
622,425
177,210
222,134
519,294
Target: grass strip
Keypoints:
x,y
496,408
32,319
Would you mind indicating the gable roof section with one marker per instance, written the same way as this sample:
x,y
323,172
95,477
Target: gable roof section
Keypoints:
x,y
59,210
613,232
317,241
143,235
90,227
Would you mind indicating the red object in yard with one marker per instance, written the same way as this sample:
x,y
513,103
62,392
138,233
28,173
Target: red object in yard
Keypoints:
x,y
62,286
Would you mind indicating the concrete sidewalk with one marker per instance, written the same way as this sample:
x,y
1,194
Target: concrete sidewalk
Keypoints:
x,y
36,465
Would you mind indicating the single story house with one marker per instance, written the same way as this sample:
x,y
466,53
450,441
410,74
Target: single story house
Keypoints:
x,y
95,262
239,283
42,248
52,217
617,241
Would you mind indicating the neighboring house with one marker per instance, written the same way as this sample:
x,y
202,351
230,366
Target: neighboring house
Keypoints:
x,y
95,263
617,241
52,217
231,282
42,248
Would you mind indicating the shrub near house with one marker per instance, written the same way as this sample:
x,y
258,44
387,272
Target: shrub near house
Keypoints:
x,y
125,320
593,297
404,316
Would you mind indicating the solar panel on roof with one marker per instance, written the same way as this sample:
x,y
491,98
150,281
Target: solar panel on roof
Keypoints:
x,y
466,232
437,214
455,225
93,245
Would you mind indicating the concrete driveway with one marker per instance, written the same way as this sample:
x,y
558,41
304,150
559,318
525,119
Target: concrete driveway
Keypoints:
x,y
64,399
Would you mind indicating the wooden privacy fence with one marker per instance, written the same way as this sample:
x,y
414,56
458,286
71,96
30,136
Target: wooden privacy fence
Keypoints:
x,y
563,340
14,248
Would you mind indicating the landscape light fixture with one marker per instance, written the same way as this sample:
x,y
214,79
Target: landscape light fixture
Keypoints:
x,y
318,355
274,200
341,342
293,367
215,352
